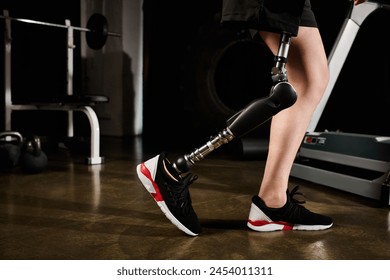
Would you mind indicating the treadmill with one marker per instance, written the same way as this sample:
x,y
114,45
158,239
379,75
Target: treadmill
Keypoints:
x,y
355,163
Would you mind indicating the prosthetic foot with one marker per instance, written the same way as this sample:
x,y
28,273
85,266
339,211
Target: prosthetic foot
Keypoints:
x,y
282,96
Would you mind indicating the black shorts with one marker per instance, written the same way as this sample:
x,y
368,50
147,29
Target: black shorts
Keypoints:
x,y
268,15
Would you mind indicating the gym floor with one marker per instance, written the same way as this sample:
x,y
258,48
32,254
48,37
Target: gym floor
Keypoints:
x,y
72,211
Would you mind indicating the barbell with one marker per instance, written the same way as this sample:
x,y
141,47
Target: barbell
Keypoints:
x,y
96,31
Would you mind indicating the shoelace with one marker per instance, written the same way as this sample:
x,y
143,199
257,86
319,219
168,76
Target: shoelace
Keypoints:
x,y
180,192
295,192
295,210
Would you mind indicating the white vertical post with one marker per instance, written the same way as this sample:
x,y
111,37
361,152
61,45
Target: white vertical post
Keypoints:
x,y
69,73
7,71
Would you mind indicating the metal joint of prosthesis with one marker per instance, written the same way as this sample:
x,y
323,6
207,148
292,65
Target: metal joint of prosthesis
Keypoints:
x,y
282,95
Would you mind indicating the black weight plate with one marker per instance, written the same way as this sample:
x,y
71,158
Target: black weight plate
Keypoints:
x,y
97,36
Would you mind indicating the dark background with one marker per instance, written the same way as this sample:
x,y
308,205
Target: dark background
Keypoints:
x,y
196,69
197,74
39,62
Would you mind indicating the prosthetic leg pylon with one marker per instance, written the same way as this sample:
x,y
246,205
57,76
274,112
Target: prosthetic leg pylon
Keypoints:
x,y
282,96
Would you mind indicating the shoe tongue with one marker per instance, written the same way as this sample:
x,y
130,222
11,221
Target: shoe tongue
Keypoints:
x,y
293,194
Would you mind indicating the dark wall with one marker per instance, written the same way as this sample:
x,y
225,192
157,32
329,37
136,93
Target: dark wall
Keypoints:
x,y
178,34
38,51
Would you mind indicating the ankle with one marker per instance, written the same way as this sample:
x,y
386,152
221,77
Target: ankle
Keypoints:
x,y
274,201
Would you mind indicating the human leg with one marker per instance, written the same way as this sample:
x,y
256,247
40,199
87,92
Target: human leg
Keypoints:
x,y
307,71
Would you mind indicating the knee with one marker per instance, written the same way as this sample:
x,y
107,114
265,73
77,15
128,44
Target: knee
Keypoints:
x,y
310,92
314,87
320,83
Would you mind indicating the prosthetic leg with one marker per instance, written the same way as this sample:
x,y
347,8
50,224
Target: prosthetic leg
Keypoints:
x,y
282,96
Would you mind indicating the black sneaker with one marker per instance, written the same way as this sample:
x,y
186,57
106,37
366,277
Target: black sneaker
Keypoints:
x,y
170,192
292,216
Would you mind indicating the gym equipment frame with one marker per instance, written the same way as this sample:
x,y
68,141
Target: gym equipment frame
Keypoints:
x,y
96,35
354,163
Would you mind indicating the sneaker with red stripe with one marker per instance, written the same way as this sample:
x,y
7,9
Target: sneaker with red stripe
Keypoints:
x,y
292,216
170,192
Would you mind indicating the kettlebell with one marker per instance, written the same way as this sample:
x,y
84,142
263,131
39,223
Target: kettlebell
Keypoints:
x,y
33,159
11,143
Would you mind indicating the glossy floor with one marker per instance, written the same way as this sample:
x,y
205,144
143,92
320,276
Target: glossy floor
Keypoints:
x,y
75,211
